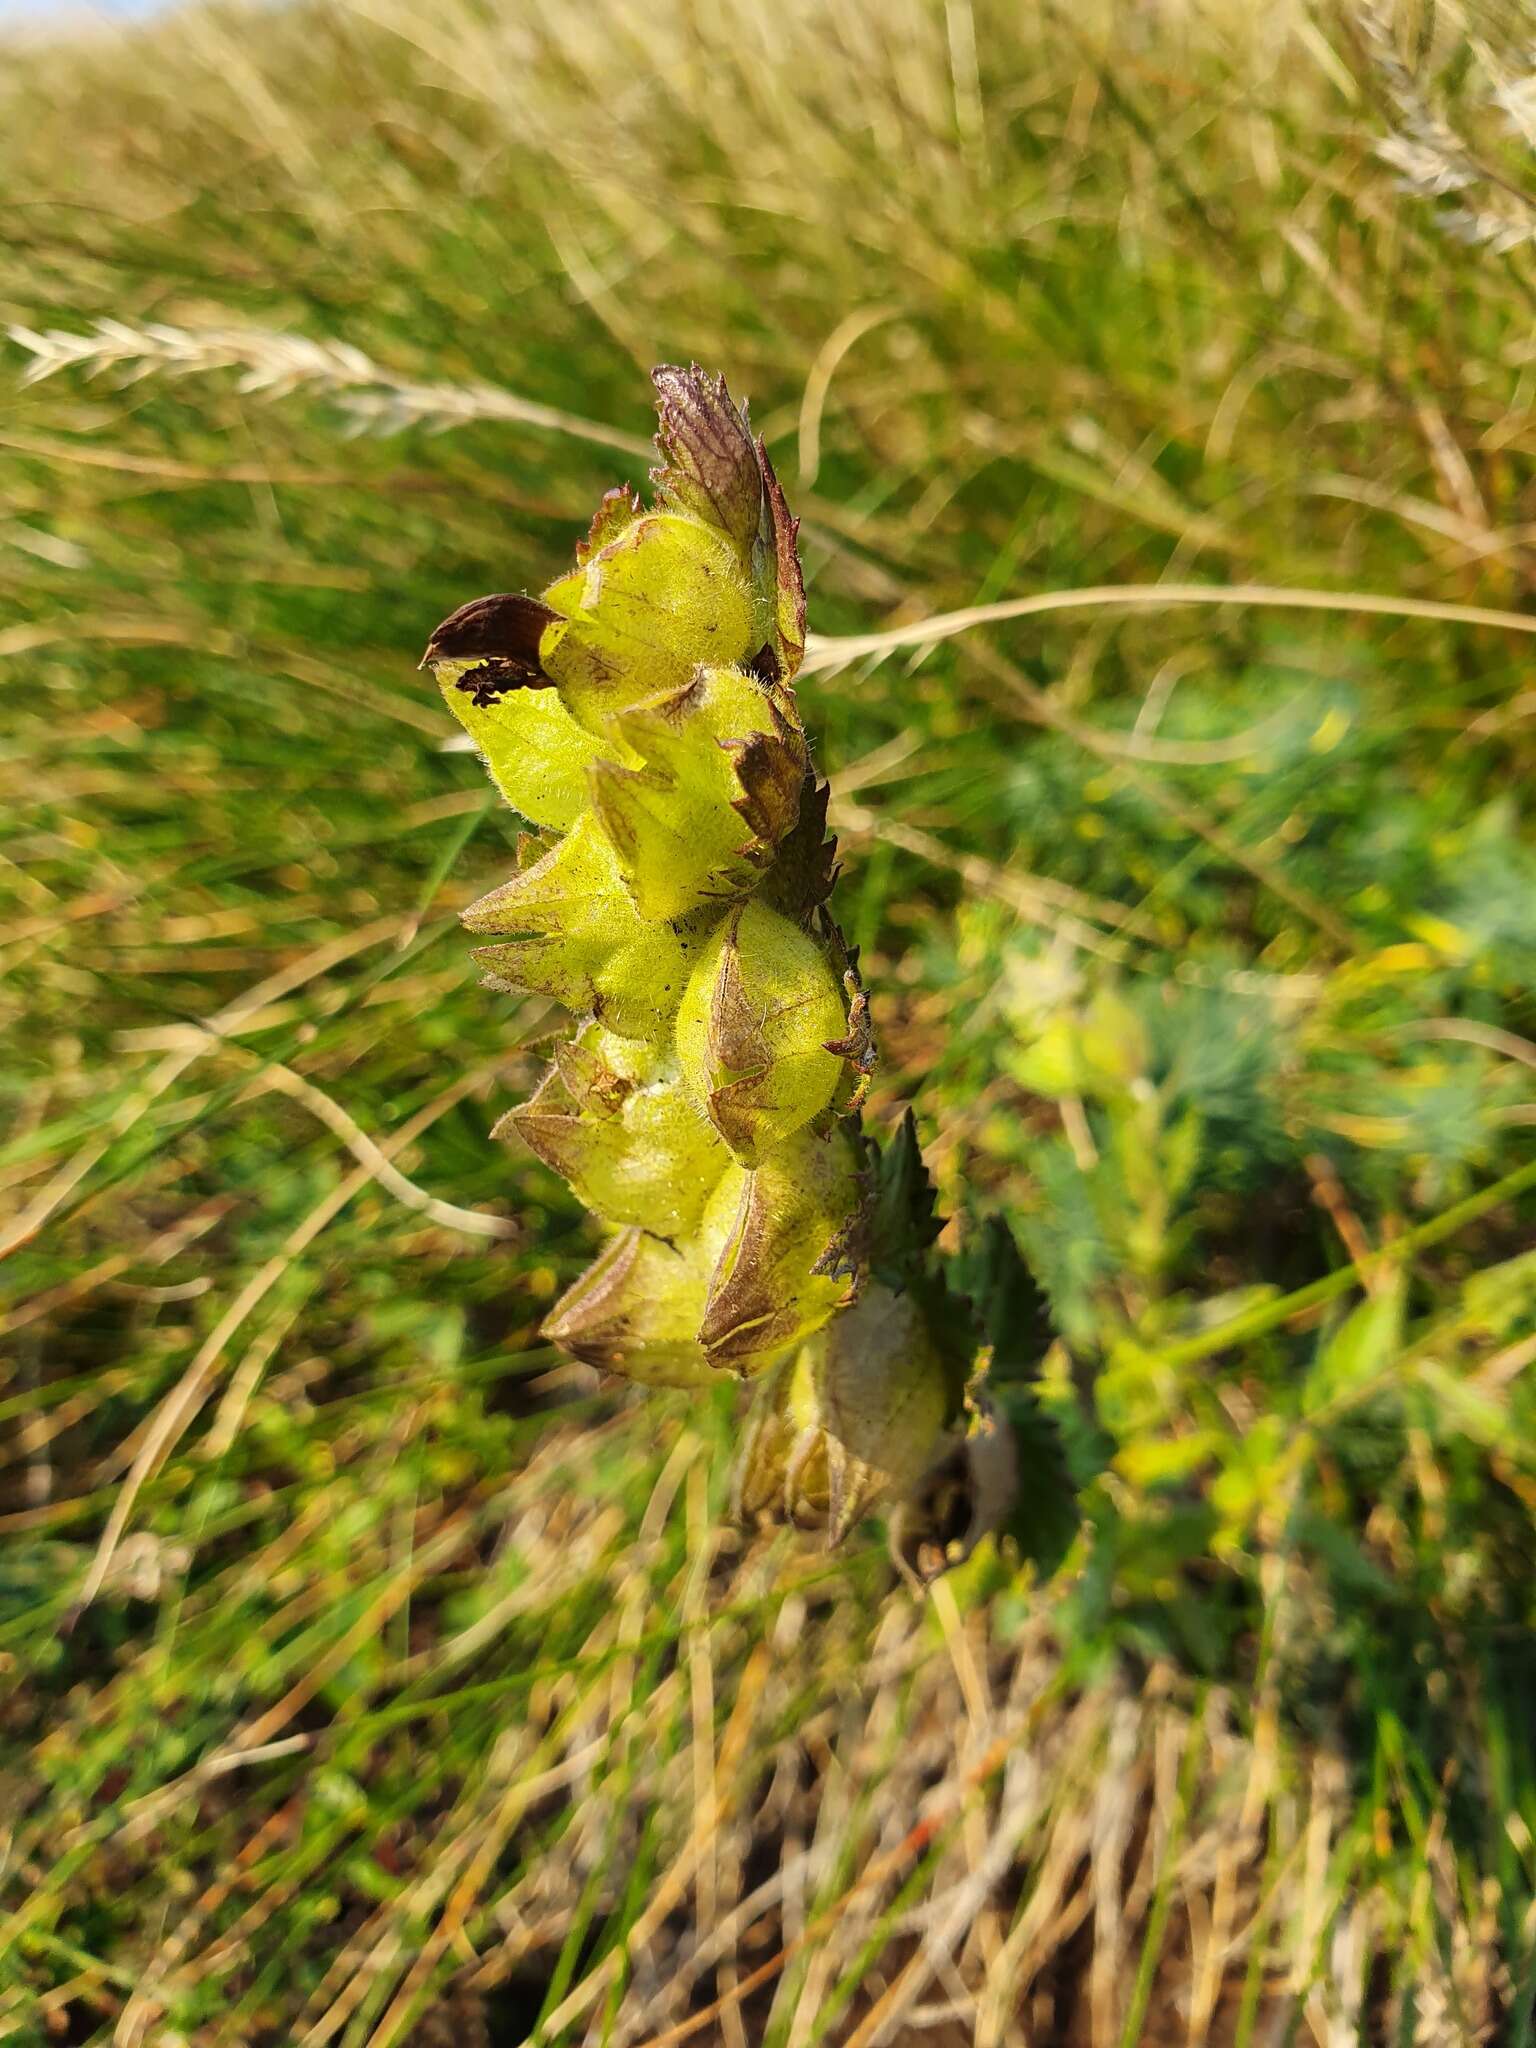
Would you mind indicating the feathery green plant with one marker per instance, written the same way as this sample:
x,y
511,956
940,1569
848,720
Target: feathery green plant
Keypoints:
x,y
641,714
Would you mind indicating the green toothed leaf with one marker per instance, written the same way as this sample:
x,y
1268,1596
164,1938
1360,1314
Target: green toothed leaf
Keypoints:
x,y
1044,1517
904,1222
1012,1313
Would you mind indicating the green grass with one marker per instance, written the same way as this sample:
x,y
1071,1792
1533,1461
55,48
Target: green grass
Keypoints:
x,y
429,1695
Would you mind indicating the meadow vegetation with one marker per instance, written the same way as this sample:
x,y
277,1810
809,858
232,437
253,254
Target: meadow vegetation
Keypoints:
x,y
368,1673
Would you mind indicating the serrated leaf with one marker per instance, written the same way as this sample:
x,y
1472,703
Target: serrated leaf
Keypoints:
x,y
1044,1517
1012,1312
903,1222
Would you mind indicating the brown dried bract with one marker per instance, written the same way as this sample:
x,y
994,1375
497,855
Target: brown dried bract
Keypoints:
x,y
789,611
709,465
806,868
770,768
615,511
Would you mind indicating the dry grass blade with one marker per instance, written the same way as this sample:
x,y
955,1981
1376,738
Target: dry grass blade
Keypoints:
x,y
174,1416
368,1153
229,1020
826,654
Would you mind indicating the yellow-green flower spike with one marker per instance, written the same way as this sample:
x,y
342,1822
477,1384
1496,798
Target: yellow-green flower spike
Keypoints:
x,y
636,1311
581,940
533,750
640,713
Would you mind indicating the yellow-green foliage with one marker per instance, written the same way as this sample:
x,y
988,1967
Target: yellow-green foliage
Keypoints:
x,y
641,711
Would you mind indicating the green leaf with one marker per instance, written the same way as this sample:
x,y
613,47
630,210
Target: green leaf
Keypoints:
x,y
1044,1518
903,1223
1010,1304
1365,1342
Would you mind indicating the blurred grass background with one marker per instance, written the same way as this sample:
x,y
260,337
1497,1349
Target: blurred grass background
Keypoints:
x,y
427,1697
